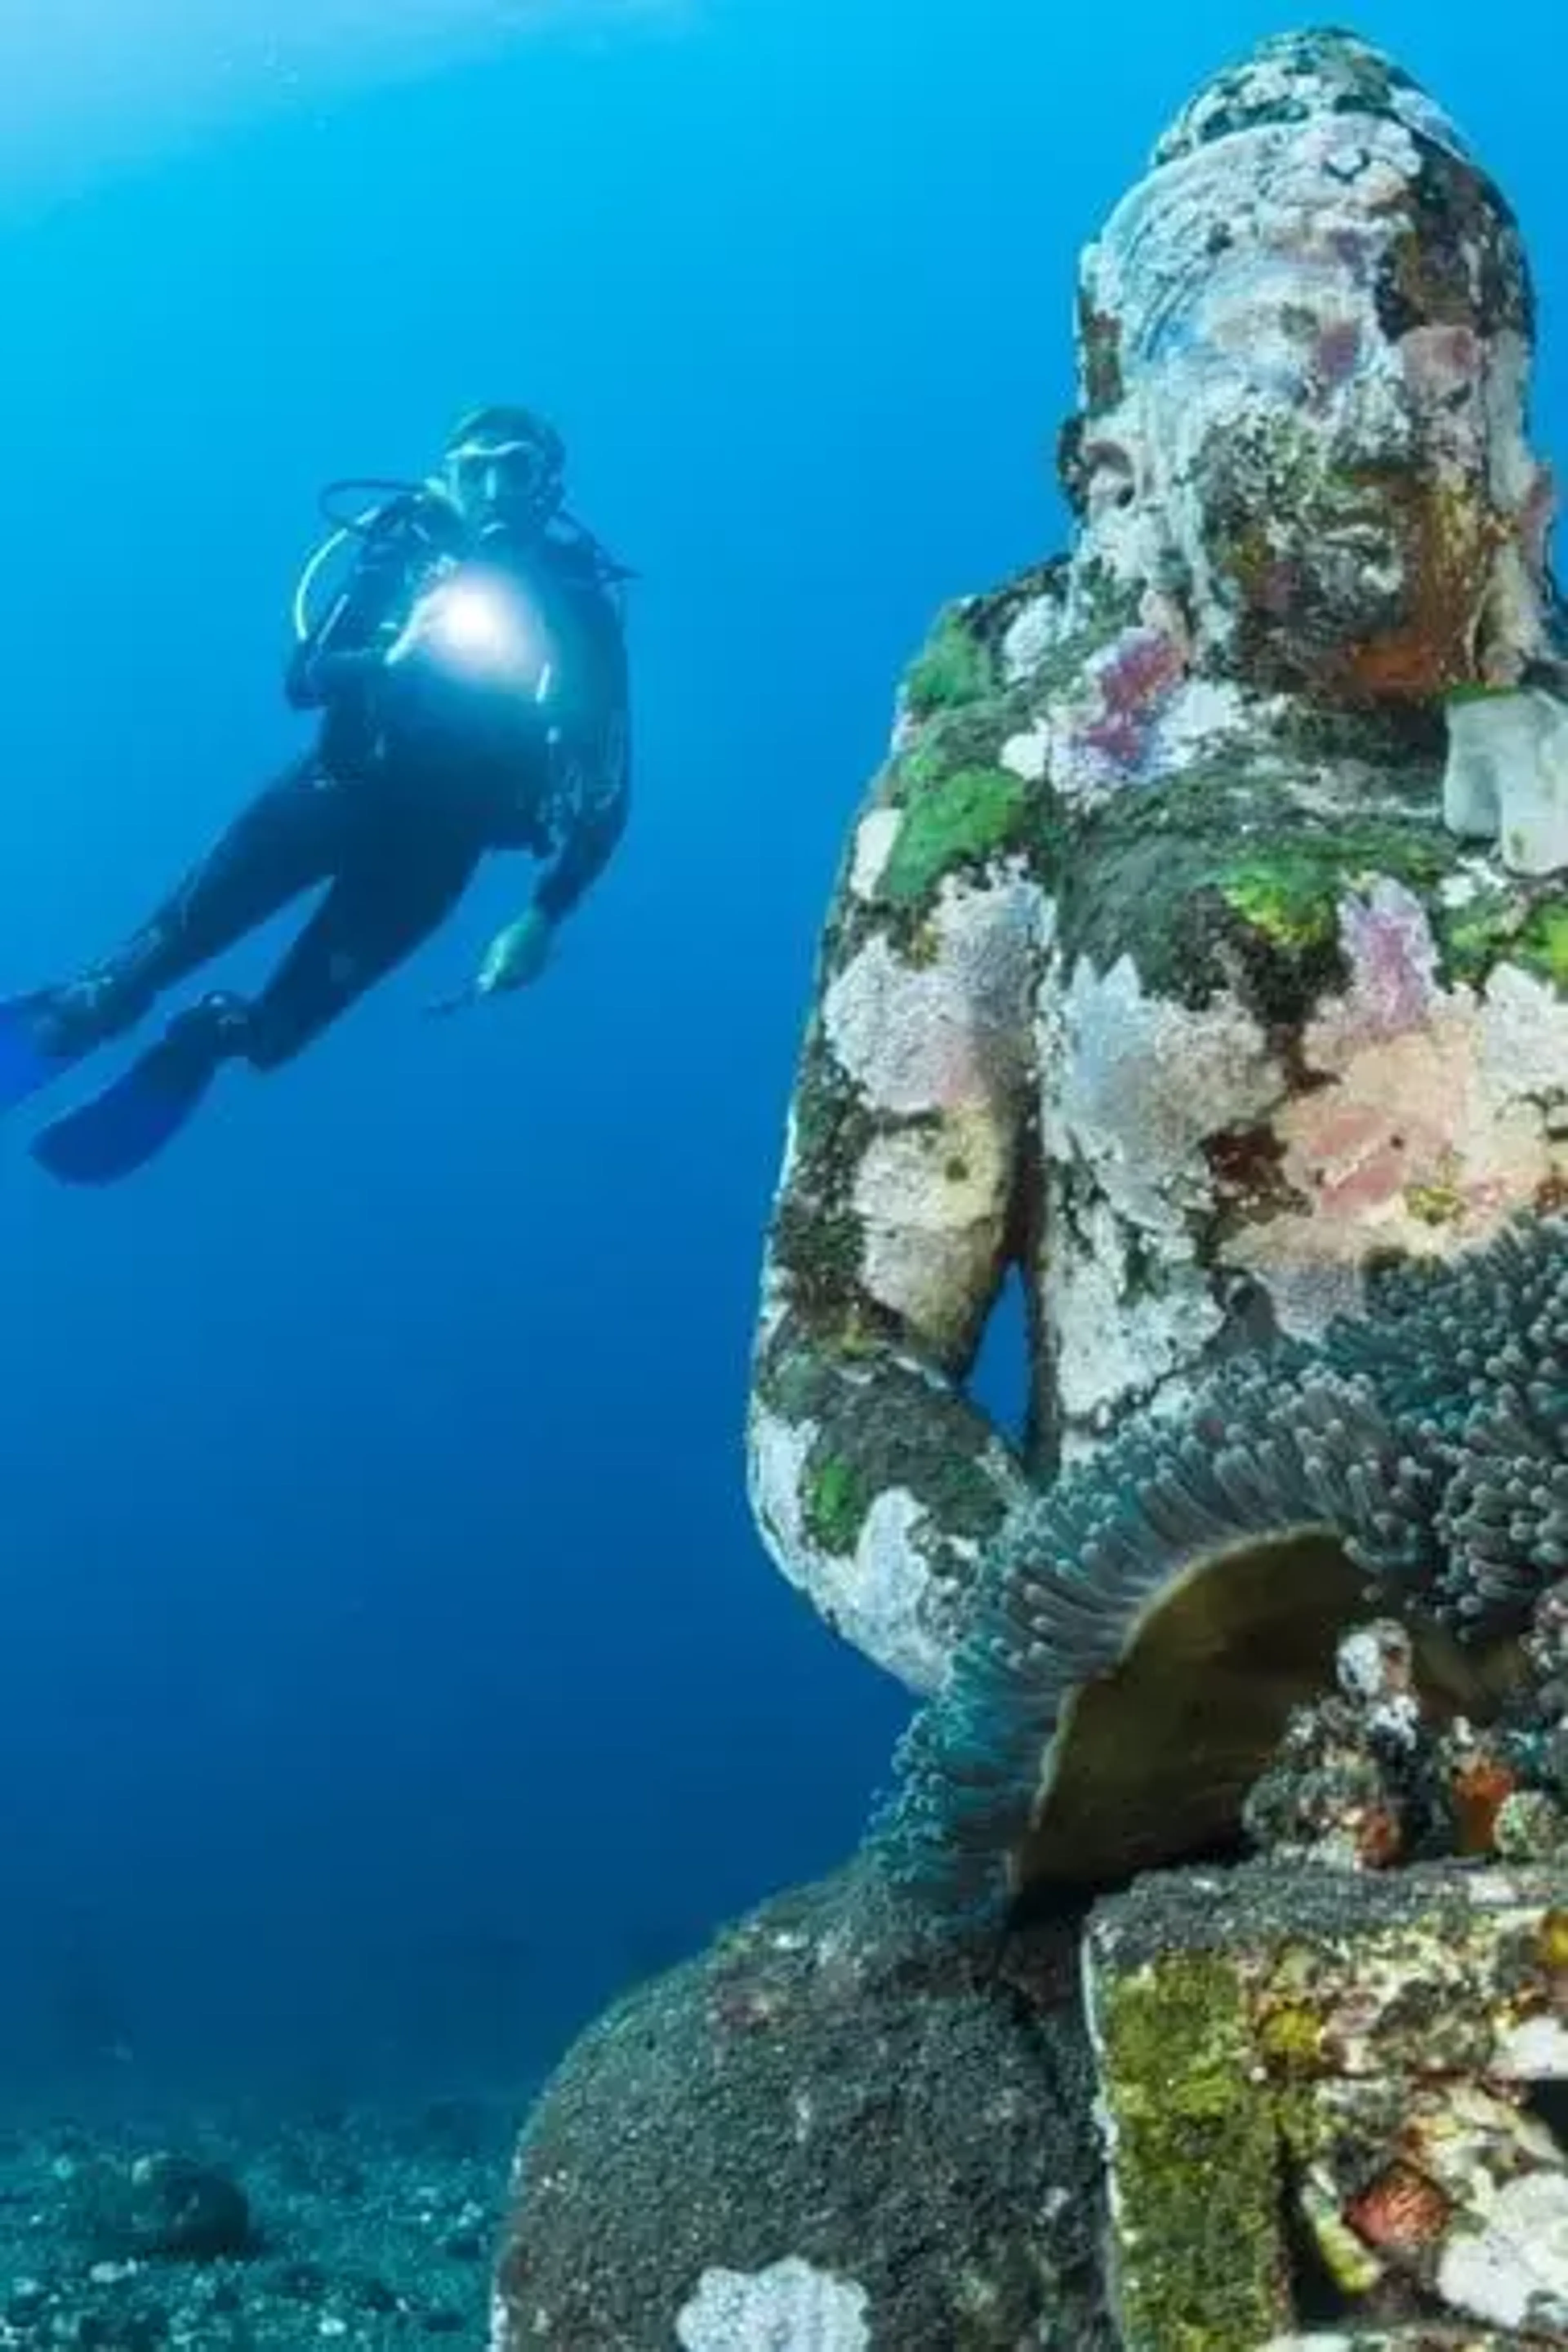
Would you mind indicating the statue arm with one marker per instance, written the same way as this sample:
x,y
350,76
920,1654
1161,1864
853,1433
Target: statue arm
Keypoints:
x,y
905,1196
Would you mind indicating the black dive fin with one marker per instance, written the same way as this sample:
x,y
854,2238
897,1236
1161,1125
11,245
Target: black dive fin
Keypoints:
x,y
132,1120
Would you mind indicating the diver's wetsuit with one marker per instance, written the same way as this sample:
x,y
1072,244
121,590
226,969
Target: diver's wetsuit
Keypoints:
x,y
415,775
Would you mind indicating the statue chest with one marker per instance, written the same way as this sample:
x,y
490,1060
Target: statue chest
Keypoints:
x,y
1301,1060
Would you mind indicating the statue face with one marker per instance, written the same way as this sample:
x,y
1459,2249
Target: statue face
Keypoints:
x,y
1346,494
1308,345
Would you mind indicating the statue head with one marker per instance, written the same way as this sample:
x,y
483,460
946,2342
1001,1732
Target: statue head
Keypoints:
x,y
1305,340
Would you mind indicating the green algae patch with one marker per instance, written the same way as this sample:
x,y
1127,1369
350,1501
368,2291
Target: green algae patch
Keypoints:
x,y
1199,2260
1434,1205
969,816
1292,894
870,1438
836,1501
1478,934
952,667
1228,880
1504,926
1286,908
1290,2037
1543,945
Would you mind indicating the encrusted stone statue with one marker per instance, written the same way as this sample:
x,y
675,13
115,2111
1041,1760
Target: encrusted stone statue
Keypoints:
x,y
1202,946
1201,956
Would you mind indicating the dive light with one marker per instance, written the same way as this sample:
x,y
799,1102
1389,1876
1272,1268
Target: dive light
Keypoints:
x,y
484,628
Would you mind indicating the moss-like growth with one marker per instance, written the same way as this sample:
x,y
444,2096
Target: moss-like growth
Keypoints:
x,y
897,1431
1543,944
963,735
819,1245
1112,603
1473,935
1458,257
817,1231
1437,1203
1200,2264
1225,879
953,667
1555,1941
836,1501
1244,98
1292,894
968,817
1100,357
1290,2037
1506,926
1273,901
1270,465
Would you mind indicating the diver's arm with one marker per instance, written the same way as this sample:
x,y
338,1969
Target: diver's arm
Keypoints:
x,y
517,955
591,842
909,1170
592,775
594,728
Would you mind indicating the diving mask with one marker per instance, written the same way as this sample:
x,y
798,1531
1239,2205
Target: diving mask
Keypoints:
x,y
515,475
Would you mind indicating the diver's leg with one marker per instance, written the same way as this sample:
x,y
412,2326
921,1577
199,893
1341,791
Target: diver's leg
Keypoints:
x,y
384,903
289,837
387,895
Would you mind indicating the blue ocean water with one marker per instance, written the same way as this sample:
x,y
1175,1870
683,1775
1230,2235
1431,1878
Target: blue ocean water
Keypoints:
x,y
390,1670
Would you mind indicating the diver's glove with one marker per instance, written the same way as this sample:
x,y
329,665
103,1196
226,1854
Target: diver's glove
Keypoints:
x,y
514,959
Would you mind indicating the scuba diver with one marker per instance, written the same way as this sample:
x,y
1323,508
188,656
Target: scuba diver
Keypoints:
x,y
470,675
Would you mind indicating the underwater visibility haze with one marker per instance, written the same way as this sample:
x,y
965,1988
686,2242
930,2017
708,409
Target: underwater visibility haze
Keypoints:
x,y
390,1669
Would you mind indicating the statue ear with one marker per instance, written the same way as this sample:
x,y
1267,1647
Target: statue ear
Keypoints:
x,y
1094,470
1069,465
